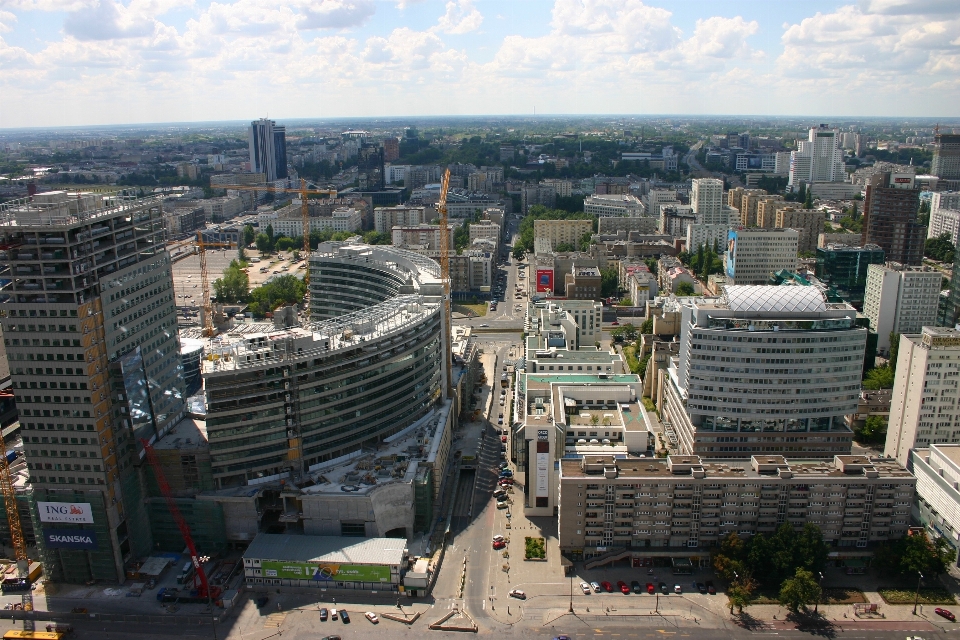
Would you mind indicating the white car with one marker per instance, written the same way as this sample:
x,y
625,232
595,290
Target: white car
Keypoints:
x,y
596,587
585,588
677,589
517,593
498,538
372,617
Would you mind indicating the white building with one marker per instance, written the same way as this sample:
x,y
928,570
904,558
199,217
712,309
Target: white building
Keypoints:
x,y
924,409
734,390
753,254
937,470
386,218
221,209
900,299
656,197
944,221
945,200
819,158
706,199
613,205
641,286
394,173
707,234
423,238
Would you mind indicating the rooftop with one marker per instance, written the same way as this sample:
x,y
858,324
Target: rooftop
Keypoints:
x,y
773,298
189,434
334,549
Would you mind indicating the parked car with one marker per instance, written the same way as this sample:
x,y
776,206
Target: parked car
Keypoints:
x,y
330,638
517,593
372,617
323,614
650,587
585,588
623,586
945,613
710,588
333,614
502,505
345,617
635,585
595,586
261,601
498,538
503,438
607,586
504,465
499,544
663,588
677,589
702,588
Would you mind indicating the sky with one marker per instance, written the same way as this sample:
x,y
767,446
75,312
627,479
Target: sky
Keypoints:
x,y
89,62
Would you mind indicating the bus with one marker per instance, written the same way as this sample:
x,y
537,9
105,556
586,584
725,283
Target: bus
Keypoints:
x,y
18,634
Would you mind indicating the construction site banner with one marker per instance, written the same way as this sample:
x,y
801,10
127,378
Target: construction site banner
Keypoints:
x,y
331,572
75,512
69,539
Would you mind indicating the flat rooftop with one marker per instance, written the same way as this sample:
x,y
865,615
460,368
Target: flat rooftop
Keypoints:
x,y
949,451
189,434
332,549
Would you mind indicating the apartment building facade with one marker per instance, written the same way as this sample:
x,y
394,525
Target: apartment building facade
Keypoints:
x,y
900,299
561,231
386,218
753,254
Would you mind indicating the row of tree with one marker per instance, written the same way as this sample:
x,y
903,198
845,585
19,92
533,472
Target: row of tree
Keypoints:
x,y
268,242
234,288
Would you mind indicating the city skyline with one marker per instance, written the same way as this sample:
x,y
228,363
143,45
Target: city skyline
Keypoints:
x,y
99,62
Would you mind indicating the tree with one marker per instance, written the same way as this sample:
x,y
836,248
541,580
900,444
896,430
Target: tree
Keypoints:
x,y
270,234
873,431
248,235
242,254
740,593
685,289
296,254
609,282
518,252
264,246
799,591
283,290
375,237
234,286
879,378
894,349
940,248
647,326
808,200
563,247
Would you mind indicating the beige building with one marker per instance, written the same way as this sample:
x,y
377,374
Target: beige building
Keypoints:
x,y
582,283
735,196
386,218
423,238
924,410
749,203
808,223
684,503
561,231
767,211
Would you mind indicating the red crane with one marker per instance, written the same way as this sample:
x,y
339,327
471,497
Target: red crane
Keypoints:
x,y
204,590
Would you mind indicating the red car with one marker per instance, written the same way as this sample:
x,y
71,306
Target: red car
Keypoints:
x,y
499,544
506,481
650,588
945,613
623,586
607,586
503,438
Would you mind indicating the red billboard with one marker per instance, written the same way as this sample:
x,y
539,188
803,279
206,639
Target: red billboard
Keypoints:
x,y
544,280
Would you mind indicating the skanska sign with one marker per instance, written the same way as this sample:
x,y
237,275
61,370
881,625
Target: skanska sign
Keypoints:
x,y
69,539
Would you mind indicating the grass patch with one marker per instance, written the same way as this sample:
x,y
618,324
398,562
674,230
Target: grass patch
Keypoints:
x,y
630,354
836,595
648,404
535,548
928,595
479,309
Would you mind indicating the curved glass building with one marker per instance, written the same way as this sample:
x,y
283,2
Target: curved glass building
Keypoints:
x,y
281,400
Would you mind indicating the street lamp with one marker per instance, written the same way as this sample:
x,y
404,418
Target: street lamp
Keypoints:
x,y
819,584
916,600
571,590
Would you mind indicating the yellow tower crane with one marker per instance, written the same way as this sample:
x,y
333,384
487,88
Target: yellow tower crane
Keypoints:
x,y
445,321
205,281
304,212
16,532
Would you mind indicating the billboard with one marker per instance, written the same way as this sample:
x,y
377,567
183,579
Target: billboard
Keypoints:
x,y
69,539
731,253
75,512
543,465
544,280
325,571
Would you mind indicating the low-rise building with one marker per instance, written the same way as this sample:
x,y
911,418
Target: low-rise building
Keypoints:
x,y
614,225
683,505
641,286
937,469
613,205
582,283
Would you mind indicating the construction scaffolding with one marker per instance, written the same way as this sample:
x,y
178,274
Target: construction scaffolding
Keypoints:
x,y
76,566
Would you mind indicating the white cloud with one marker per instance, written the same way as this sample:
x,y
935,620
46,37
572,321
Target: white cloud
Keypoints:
x,y
336,14
107,20
460,17
720,38
6,21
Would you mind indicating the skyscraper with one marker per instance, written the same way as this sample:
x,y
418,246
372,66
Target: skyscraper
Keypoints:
x,y
946,156
91,332
890,217
817,159
268,149
706,198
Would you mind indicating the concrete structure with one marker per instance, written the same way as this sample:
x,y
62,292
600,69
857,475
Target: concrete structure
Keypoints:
x,y
289,221
616,206
578,321
946,156
561,231
753,254
582,283
706,199
890,217
268,149
711,235
808,223
386,218
276,560
564,188
613,225
819,158
734,391
222,209
422,238
641,286
924,408
750,206
656,197
472,270
937,469
683,504
945,200
90,333
485,230
944,221
845,238
675,219
767,208
532,194
900,299
834,190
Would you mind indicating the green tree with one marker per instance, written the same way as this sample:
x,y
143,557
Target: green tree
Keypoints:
x,y
647,326
609,282
584,243
283,243
234,286
242,255
685,289
264,246
283,290
296,254
940,248
248,235
270,235
879,378
799,591
894,350
563,247
375,237
740,593
873,431
518,252
808,199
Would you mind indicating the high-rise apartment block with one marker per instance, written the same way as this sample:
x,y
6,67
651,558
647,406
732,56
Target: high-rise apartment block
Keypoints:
x,y
533,194
924,408
561,231
764,369
819,158
706,198
808,223
900,299
750,206
386,218
90,331
391,149
754,254
890,217
268,149
946,156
